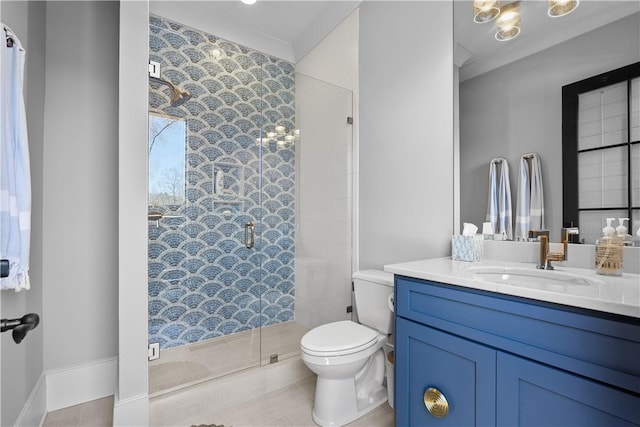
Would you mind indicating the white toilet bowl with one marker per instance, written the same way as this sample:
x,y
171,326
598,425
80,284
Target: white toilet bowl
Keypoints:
x,y
349,361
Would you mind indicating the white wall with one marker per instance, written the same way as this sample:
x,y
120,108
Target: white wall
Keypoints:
x,y
406,131
326,79
22,364
131,405
517,109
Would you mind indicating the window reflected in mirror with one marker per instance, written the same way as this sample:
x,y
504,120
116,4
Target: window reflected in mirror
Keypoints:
x,y
167,145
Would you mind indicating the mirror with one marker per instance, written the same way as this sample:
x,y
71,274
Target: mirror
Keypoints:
x,y
167,147
510,92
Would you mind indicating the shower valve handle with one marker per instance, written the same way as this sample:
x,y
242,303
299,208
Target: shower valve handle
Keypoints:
x,y
249,234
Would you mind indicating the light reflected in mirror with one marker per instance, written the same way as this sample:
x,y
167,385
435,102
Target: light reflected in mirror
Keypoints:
x,y
167,144
510,92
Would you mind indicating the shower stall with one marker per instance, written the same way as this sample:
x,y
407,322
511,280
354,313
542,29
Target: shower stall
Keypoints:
x,y
249,217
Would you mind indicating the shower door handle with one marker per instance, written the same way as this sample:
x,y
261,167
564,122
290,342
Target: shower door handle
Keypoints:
x,y
249,235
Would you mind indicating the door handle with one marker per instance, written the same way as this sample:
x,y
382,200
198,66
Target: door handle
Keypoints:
x,y
249,234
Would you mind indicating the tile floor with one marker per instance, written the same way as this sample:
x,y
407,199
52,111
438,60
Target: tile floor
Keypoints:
x,y
288,406
187,365
95,413
188,386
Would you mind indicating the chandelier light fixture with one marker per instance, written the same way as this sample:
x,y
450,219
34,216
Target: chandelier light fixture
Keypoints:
x,y
485,10
280,136
559,8
508,22
508,17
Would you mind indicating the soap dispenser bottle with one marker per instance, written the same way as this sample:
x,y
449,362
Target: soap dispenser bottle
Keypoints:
x,y
621,231
609,252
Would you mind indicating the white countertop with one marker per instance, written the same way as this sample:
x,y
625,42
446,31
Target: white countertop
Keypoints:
x,y
611,294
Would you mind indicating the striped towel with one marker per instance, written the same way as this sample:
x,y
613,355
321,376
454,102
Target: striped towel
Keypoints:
x,y
15,180
499,204
530,208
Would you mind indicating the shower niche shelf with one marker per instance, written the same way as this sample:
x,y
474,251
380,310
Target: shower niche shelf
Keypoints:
x,y
228,187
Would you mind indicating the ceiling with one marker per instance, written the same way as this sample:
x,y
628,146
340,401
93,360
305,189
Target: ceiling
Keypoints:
x,y
481,52
290,29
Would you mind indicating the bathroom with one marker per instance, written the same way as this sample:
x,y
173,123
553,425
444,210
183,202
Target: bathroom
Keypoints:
x,y
103,272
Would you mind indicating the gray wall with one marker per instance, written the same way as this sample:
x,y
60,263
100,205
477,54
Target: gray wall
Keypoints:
x,y
80,220
517,109
71,101
22,364
406,131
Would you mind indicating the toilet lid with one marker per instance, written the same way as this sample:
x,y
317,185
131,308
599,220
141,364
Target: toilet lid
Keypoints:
x,y
338,338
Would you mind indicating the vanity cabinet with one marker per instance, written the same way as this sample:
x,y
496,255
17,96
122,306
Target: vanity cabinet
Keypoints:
x,y
508,361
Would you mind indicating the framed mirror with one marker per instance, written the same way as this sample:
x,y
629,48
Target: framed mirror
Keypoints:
x,y
510,92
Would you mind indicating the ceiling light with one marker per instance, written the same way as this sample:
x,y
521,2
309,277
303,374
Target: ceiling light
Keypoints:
x,y
248,1
485,10
561,7
508,22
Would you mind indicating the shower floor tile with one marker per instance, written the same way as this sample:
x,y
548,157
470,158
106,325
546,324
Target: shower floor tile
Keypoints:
x,y
191,364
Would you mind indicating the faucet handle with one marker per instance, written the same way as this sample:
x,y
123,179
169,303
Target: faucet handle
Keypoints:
x,y
538,233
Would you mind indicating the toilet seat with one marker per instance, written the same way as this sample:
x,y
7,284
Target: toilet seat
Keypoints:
x,y
338,339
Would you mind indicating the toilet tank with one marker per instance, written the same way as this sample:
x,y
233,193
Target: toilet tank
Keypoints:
x,y
372,290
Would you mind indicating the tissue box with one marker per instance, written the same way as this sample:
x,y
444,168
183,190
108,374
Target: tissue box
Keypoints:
x,y
467,248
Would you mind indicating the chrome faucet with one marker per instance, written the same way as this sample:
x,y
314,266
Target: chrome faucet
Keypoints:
x,y
545,255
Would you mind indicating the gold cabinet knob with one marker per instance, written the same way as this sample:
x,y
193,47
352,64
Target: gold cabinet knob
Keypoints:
x,y
436,403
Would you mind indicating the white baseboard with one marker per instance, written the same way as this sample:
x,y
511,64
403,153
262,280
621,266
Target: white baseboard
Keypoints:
x,y
133,411
35,408
71,386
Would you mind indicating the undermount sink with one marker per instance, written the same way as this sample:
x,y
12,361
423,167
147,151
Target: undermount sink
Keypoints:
x,y
530,277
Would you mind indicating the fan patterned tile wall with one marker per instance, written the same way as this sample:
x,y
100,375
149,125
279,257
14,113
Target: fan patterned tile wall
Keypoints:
x,y
203,281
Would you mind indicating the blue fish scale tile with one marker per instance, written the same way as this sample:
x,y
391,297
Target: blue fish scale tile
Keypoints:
x,y
155,287
285,272
193,265
271,280
193,300
194,37
228,278
199,260
244,316
155,325
173,312
173,274
173,330
210,272
156,306
173,295
210,289
211,305
227,311
193,317
173,257
228,326
244,300
193,282
192,335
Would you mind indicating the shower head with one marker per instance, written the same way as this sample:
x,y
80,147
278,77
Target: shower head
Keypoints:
x,y
178,96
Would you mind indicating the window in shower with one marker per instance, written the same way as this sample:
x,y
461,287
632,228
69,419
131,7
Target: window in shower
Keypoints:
x,y
167,140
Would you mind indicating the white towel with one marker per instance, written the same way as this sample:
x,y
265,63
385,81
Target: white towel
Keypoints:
x,y
499,212
530,203
15,180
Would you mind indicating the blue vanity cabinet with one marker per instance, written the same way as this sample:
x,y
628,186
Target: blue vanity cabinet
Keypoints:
x,y
507,361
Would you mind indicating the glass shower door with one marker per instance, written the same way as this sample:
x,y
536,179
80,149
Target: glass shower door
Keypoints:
x,y
205,261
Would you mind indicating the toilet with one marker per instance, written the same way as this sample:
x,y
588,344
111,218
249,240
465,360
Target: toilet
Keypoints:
x,y
348,356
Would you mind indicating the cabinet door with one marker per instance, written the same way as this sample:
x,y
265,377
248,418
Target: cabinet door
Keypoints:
x,y
531,394
462,370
